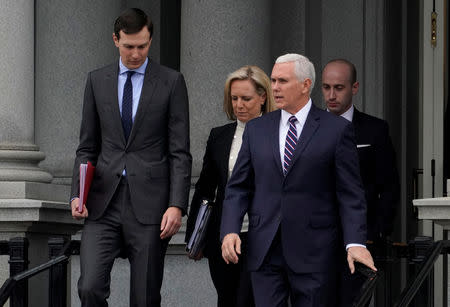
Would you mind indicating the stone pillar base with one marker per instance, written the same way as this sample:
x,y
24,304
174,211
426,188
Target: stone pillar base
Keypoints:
x,y
20,163
34,190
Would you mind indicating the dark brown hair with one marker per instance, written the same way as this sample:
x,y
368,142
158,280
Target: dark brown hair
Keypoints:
x,y
132,21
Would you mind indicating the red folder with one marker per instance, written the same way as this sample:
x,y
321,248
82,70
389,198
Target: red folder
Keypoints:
x,y
86,176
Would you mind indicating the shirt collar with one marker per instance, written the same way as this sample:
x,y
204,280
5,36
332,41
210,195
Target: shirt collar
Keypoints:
x,y
141,69
348,115
301,115
240,124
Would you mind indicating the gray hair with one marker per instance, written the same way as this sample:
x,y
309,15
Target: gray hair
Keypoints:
x,y
303,67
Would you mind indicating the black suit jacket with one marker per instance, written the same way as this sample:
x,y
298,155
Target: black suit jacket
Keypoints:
x,y
378,172
156,156
212,182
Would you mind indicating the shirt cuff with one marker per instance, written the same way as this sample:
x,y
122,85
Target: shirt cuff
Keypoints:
x,y
353,244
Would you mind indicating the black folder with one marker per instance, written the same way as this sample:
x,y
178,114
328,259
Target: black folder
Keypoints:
x,y
198,237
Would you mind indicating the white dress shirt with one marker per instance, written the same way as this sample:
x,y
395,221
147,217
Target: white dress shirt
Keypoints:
x,y
235,146
348,115
137,80
284,125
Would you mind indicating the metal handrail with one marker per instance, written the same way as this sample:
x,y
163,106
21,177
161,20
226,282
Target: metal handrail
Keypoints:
x,y
6,290
70,248
419,252
425,269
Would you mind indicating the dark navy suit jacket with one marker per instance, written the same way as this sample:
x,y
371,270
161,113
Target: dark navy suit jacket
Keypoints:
x,y
320,196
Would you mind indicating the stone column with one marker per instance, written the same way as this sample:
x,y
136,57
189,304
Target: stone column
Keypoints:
x,y
288,26
358,38
23,209
72,38
19,156
218,37
344,38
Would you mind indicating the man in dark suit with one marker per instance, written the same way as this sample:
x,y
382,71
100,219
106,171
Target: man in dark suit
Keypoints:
x,y
135,129
302,193
376,159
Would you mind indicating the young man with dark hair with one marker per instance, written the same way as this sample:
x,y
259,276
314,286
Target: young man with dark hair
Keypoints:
x,y
376,160
135,129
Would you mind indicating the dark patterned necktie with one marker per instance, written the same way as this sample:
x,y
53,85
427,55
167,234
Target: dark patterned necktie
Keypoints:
x,y
291,143
127,106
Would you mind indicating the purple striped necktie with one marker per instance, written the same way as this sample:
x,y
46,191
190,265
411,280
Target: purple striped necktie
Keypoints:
x,y
291,143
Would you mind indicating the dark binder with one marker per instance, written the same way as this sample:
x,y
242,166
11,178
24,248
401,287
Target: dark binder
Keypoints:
x,y
198,237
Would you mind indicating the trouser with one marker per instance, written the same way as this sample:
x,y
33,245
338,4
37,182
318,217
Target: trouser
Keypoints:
x,y
232,281
117,233
275,282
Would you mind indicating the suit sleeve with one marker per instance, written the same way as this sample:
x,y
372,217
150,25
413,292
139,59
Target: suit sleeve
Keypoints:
x,y
180,159
349,189
387,182
90,136
239,191
205,188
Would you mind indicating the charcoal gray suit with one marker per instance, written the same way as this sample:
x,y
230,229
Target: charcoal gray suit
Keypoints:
x,y
125,212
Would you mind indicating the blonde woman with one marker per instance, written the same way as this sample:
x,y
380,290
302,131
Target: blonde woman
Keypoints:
x,y
247,95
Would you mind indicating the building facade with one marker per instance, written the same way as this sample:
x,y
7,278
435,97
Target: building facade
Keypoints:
x,y
49,46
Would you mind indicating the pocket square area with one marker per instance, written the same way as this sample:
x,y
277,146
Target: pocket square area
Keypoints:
x,y
362,145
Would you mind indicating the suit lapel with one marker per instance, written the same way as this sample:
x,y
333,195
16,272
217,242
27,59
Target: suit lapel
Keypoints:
x,y
151,78
356,121
224,148
309,128
275,139
111,80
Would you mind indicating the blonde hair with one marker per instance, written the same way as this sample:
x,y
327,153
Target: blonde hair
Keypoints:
x,y
262,86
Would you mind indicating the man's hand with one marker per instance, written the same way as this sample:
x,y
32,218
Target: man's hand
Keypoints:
x,y
75,213
171,222
231,248
359,254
